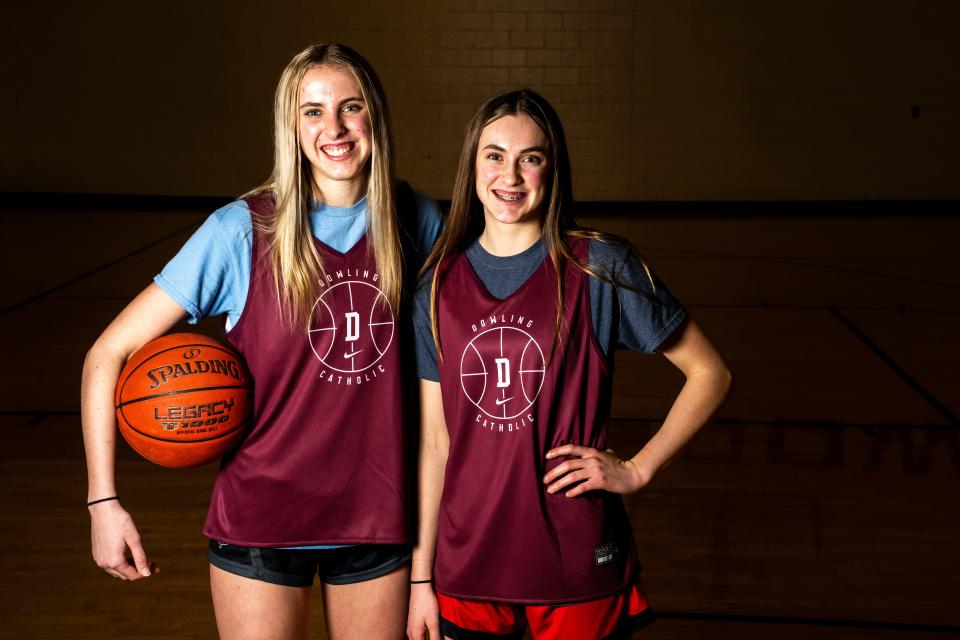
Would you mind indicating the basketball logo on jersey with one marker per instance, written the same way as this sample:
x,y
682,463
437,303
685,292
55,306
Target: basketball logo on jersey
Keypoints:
x,y
501,371
351,325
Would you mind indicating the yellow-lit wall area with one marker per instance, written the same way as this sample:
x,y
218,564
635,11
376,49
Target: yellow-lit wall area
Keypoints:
x,y
661,99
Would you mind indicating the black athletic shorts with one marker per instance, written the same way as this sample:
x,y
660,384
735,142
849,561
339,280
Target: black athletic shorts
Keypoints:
x,y
297,567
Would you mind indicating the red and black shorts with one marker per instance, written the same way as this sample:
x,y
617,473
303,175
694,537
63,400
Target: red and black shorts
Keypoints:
x,y
609,618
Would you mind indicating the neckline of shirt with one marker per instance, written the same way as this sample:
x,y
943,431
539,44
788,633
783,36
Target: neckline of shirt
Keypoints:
x,y
529,257
330,211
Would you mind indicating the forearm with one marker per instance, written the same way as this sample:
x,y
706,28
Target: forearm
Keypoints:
x,y
149,315
112,530
434,446
430,478
701,395
101,369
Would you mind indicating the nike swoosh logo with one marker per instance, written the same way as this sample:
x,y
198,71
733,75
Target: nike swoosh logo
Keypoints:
x,y
350,355
500,402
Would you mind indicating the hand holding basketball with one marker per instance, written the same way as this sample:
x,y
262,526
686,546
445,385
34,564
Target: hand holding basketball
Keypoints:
x,y
592,469
112,533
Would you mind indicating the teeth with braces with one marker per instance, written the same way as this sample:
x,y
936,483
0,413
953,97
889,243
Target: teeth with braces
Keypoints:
x,y
512,198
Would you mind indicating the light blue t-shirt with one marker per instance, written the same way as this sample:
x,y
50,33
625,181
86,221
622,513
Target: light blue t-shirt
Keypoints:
x,y
210,275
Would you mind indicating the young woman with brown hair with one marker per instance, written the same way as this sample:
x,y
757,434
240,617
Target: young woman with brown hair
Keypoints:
x,y
520,521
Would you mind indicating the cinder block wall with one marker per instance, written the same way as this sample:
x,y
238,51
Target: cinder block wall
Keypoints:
x,y
661,99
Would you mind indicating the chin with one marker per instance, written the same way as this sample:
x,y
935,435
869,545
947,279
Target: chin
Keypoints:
x,y
510,216
342,172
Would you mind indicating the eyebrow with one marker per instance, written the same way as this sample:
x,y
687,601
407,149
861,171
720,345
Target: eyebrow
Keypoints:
x,y
320,104
499,148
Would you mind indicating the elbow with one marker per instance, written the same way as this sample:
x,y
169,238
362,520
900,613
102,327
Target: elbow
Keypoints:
x,y
103,354
441,452
726,378
436,448
725,381
715,377
94,355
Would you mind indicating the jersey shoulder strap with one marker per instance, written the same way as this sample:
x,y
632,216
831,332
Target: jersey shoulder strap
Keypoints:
x,y
262,206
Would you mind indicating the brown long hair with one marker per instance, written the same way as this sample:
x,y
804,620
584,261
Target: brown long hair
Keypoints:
x,y
296,263
466,221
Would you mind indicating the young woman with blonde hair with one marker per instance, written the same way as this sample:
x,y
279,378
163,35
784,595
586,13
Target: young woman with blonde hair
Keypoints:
x,y
309,272
521,524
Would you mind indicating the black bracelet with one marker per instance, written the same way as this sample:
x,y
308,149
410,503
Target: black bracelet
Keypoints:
x,y
93,502
428,581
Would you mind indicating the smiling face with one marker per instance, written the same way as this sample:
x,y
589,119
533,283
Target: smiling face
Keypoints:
x,y
334,132
513,171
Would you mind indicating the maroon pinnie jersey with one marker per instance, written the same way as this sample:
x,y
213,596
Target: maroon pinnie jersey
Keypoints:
x,y
324,461
511,392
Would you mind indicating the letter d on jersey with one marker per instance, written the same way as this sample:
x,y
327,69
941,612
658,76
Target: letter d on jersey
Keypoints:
x,y
503,372
353,326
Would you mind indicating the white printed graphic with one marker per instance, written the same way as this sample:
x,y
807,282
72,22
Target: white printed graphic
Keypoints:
x,y
519,365
503,372
353,325
337,334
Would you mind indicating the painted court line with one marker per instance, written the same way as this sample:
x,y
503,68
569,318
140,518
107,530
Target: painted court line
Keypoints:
x,y
900,371
102,267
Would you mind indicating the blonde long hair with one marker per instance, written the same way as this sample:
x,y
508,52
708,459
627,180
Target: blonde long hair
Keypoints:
x,y
296,264
466,221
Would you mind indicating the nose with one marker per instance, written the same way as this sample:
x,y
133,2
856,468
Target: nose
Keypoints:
x,y
510,174
333,123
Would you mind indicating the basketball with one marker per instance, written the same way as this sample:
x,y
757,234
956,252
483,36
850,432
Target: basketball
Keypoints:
x,y
183,400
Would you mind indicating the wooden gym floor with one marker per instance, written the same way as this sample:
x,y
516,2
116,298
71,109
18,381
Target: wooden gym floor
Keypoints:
x,y
821,503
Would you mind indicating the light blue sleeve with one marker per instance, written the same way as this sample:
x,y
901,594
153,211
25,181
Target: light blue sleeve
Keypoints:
x,y
210,275
429,222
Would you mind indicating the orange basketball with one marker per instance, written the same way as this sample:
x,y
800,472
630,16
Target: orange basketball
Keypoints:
x,y
183,400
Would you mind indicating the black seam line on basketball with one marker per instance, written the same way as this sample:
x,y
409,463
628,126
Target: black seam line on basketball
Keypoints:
x,y
182,391
900,371
817,622
733,422
239,428
102,267
175,348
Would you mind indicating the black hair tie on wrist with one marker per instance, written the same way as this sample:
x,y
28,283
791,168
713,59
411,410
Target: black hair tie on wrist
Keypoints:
x,y
93,502
428,581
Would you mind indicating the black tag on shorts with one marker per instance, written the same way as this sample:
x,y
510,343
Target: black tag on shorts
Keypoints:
x,y
605,554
